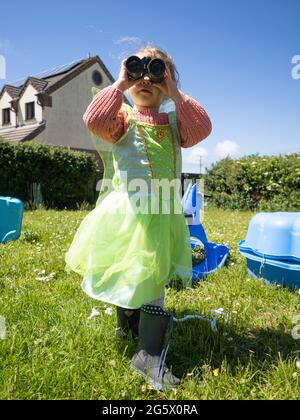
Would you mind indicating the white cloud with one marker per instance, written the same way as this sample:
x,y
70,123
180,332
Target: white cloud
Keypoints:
x,y
97,30
191,159
129,40
227,147
193,156
120,56
129,44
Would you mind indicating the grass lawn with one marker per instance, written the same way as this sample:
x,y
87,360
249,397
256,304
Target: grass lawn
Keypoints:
x,y
52,351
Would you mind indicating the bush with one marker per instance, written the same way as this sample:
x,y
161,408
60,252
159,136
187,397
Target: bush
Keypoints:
x,y
256,183
67,178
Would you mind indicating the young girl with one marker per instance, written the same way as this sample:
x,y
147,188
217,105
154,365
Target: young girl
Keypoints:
x,y
127,253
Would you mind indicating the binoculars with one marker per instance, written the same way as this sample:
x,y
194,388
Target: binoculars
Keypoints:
x,y
136,68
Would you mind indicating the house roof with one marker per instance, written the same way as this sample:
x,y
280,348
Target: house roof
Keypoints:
x,y
51,80
38,84
20,134
12,91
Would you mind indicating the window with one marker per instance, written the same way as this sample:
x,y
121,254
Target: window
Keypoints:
x,y
29,110
96,78
6,116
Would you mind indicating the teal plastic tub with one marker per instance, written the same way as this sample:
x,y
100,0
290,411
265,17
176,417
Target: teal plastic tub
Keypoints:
x,y
11,216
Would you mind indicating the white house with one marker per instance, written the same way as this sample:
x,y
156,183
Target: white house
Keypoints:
x,y
48,108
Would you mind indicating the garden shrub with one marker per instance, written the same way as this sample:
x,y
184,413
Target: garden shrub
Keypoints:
x,y
255,183
67,178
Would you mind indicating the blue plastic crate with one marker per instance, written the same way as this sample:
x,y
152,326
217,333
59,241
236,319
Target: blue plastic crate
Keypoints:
x,y
11,216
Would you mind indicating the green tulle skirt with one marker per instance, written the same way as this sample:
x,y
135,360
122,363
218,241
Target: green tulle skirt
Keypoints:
x,y
127,257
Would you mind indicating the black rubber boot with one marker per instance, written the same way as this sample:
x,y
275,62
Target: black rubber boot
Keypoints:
x,y
127,322
149,359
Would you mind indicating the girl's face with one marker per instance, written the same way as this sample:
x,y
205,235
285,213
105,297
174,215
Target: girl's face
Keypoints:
x,y
144,93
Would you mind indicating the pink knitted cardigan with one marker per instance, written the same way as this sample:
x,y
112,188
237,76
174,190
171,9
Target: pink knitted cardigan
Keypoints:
x,y
104,117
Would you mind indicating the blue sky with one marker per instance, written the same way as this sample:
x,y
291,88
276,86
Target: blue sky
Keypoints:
x,y
233,56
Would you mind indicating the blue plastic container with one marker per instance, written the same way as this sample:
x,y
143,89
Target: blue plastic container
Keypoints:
x,y
197,234
216,256
274,235
273,271
11,216
192,203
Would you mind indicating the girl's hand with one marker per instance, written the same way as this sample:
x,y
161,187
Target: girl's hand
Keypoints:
x,y
169,88
123,83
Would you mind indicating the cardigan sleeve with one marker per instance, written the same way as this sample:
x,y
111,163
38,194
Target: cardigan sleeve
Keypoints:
x,y
194,124
104,117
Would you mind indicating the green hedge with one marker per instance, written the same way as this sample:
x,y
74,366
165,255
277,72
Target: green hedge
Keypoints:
x,y
255,183
67,178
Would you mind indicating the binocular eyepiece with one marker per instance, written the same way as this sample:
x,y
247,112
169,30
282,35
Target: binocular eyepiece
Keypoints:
x,y
137,67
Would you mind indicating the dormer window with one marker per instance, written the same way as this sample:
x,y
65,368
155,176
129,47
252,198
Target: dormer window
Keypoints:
x,y
5,116
29,111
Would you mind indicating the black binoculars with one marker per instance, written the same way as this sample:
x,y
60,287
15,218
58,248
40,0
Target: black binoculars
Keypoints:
x,y
137,67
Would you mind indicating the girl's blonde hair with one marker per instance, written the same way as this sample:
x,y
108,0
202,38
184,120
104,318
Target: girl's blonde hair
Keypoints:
x,y
151,51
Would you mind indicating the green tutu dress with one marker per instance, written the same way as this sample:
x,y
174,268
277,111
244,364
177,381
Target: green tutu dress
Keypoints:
x,y
136,238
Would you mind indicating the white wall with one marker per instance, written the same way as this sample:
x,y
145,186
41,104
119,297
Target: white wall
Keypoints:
x,y
29,96
64,124
4,103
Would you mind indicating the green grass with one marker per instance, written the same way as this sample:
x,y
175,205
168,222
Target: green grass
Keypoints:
x,y
53,352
